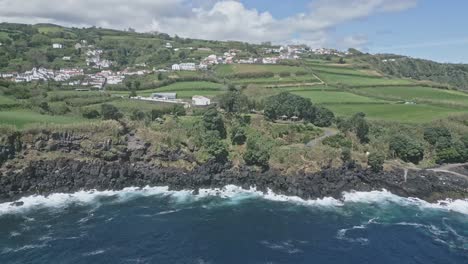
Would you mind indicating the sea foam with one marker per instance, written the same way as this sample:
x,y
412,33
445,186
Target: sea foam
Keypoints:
x,y
232,194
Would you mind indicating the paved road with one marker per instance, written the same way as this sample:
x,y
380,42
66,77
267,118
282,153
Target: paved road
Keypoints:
x,y
329,132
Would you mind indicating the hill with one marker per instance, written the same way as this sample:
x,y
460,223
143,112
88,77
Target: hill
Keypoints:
x,y
455,75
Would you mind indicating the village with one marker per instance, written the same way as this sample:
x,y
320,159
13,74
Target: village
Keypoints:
x,y
101,74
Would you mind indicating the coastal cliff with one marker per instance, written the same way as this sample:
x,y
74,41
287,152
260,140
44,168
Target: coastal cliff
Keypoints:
x,y
68,162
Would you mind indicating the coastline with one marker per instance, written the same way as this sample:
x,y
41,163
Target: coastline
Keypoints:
x,y
45,177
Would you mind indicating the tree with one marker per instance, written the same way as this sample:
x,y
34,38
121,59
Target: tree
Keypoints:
x,y
407,149
44,106
38,40
233,102
160,76
137,84
434,134
362,130
341,61
289,104
183,55
238,135
376,161
258,153
128,84
323,117
109,111
138,115
218,150
213,120
133,93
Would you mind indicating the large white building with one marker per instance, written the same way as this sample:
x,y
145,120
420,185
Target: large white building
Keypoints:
x,y
176,67
184,67
200,100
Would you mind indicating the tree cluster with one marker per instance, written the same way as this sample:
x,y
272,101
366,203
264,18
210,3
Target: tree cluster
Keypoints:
x,y
287,104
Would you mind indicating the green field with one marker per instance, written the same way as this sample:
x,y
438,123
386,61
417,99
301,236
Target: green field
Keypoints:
x,y
354,80
183,89
345,70
278,80
417,94
20,118
127,106
317,96
396,112
228,69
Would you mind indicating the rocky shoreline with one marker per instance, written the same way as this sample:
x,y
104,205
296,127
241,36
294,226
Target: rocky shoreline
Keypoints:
x,y
46,162
67,176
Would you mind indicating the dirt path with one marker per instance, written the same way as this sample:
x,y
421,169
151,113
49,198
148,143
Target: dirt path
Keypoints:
x,y
329,132
443,168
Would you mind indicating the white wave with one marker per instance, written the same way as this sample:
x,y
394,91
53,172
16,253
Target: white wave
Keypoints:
x,y
94,253
232,194
384,196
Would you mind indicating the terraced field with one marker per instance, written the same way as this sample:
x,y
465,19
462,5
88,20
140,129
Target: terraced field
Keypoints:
x,y
405,113
183,89
324,97
229,69
417,94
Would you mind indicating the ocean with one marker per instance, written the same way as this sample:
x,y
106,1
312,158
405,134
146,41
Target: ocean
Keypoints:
x,y
155,225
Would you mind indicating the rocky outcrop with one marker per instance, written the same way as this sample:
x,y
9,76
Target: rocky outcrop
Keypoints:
x,y
65,175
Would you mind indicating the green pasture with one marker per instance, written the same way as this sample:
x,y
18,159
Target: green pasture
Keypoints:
x,y
20,118
405,113
417,94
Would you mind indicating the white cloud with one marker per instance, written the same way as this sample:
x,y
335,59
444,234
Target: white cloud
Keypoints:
x,y
206,19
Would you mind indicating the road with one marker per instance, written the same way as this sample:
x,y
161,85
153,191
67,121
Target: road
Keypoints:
x,y
329,132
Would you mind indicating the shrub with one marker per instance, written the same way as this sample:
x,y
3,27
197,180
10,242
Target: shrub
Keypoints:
x,y
138,115
258,153
338,141
238,135
407,149
284,74
447,155
376,161
218,150
91,114
346,154
433,134
109,111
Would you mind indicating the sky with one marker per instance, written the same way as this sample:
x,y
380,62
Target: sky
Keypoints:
x,y
429,29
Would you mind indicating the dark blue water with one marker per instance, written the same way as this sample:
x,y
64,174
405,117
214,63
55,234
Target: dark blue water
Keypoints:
x,y
160,227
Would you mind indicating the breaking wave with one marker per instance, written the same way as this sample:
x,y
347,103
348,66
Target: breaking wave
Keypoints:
x,y
230,194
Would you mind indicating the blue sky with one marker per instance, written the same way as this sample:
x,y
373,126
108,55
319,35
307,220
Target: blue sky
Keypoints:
x,y
430,29
433,29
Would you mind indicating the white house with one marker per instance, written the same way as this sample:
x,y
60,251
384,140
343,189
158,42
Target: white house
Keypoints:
x,y
168,45
200,101
176,67
57,46
66,58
